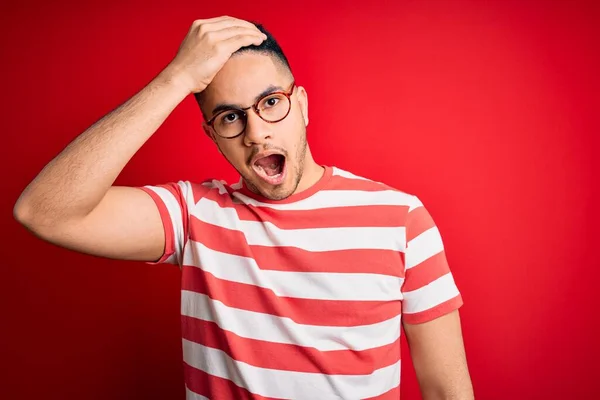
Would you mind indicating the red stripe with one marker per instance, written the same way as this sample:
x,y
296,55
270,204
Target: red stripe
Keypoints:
x,y
368,215
288,357
169,247
216,388
393,394
375,261
175,190
418,221
332,217
199,190
437,311
353,216
426,272
302,311
337,182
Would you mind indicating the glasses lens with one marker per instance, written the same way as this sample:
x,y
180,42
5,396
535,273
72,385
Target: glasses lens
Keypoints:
x,y
230,123
274,107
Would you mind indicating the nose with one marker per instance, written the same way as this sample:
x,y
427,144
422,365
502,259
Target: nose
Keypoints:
x,y
257,130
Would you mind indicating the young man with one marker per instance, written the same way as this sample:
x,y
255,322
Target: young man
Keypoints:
x,y
297,278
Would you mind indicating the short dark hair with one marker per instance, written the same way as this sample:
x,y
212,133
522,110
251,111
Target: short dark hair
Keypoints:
x,y
268,47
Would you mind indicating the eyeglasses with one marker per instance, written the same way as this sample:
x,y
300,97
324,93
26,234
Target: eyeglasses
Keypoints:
x,y
271,108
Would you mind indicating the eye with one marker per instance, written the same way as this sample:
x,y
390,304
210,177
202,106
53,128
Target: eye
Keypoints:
x,y
229,118
271,101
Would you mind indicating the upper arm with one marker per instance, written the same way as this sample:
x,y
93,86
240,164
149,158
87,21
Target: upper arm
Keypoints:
x,y
127,224
438,355
431,300
429,289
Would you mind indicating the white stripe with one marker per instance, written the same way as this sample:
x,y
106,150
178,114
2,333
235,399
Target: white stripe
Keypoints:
x,y
260,326
174,209
220,186
336,198
350,175
346,174
189,395
172,259
263,233
302,285
415,203
290,384
430,295
238,185
424,246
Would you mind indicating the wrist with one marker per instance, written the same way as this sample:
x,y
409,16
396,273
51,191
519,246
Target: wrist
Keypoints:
x,y
173,76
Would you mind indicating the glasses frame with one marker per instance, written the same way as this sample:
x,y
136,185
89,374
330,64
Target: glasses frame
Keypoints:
x,y
254,106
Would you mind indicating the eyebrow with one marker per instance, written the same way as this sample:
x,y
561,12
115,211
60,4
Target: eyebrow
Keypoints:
x,y
230,106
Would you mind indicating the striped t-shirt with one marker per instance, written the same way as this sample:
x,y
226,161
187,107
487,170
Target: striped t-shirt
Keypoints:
x,y
301,298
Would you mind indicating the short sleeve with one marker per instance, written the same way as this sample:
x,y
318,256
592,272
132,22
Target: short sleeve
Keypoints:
x,y
429,290
173,201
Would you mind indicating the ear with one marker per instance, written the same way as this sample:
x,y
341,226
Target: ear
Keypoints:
x,y
211,135
303,101
208,131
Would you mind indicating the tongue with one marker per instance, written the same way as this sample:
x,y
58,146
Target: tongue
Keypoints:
x,y
270,164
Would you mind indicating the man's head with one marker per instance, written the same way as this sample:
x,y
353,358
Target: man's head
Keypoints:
x,y
266,144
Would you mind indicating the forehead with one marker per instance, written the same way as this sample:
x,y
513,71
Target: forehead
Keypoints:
x,y
243,77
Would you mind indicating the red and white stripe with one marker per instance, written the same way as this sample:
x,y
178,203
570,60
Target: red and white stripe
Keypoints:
x,y
301,299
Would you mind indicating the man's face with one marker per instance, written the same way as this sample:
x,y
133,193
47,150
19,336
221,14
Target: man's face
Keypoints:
x,y
241,80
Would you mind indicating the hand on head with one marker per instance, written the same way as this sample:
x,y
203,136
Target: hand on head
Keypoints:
x,y
208,45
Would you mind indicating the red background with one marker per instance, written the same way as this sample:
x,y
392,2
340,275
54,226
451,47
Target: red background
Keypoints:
x,y
488,111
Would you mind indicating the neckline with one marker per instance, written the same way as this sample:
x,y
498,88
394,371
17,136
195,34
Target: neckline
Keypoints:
x,y
320,184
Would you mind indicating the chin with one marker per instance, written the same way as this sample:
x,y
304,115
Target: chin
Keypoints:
x,y
280,191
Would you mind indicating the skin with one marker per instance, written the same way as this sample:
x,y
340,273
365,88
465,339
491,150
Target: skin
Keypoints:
x,y
438,355
240,81
73,202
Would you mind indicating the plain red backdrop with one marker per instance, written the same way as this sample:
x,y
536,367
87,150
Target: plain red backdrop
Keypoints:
x,y
486,110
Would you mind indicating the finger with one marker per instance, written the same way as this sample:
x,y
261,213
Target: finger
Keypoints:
x,y
230,22
223,23
199,22
228,33
234,43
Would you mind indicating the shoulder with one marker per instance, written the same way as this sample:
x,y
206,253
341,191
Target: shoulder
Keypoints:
x,y
193,191
342,179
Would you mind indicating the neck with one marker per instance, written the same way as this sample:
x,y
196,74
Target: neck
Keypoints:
x,y
311,174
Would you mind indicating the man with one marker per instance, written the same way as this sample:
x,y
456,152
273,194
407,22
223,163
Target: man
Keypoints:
x,y
296,279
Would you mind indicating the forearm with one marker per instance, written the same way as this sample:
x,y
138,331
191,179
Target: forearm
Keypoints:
x,y
77,179
462,392
439,380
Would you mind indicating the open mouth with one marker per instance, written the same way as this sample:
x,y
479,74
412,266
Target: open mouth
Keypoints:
x,y
271,168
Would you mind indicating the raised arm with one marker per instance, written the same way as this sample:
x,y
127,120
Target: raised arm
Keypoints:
x,y
72,202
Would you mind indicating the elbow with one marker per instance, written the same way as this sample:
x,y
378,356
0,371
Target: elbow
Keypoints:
x,y
22,211
42,222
